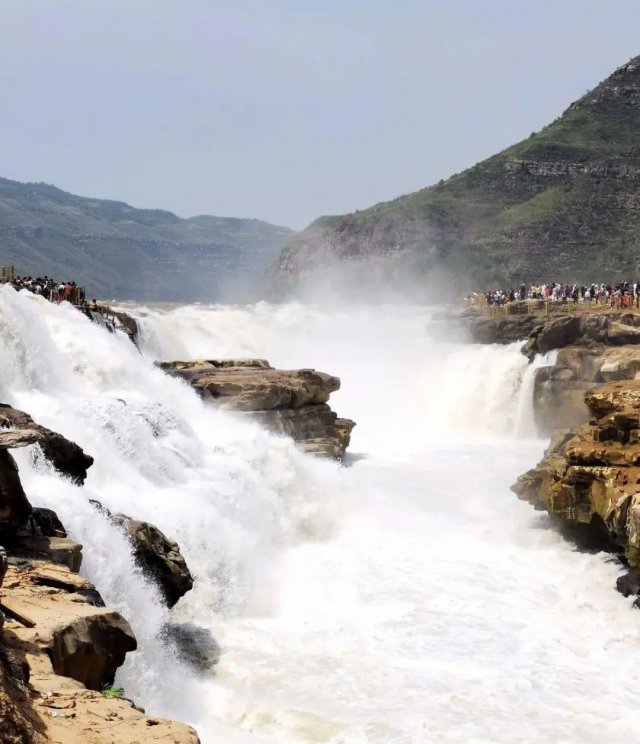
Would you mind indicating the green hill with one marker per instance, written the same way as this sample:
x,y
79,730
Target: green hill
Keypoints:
x,y
120,252
562,205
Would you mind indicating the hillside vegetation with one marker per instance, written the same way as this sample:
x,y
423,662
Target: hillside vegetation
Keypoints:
x,y
120,252
562,205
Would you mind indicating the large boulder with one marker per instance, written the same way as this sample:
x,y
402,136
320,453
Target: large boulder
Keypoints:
x,y
160,558
90,648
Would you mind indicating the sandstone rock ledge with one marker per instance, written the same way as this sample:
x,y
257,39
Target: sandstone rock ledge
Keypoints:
x,y
591,475
289,402
57,651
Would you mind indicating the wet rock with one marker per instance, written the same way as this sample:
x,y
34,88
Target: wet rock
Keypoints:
x,y
64,455
194,645
159,558
629,583
14,506
42,523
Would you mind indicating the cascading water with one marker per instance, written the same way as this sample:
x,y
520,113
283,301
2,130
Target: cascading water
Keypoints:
x,y
407,598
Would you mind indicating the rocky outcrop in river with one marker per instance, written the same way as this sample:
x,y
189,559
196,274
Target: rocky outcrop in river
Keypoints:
x,y
289,402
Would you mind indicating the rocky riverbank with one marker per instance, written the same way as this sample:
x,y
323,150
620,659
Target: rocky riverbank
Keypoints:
x,y
288,402
590,476
59,644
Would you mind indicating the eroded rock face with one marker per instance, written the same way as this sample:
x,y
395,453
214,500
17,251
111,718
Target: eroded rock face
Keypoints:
x,y
591,475
290,402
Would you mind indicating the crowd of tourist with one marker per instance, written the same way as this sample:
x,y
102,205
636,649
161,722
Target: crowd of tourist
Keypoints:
x,y
624,294
50,289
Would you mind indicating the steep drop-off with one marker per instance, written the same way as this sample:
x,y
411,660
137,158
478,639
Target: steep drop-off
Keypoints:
x,y
117,251
564,202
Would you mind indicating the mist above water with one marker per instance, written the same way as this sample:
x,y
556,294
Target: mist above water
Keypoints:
x,y
407,598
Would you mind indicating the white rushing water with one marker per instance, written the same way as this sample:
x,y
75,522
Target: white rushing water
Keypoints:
x,y
409,597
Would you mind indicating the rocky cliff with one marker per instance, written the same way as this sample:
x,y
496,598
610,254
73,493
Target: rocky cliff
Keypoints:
x,y
59,644
288,402
590,476
117,251
565,199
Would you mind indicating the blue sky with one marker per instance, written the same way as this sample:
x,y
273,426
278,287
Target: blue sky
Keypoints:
x,y
286,110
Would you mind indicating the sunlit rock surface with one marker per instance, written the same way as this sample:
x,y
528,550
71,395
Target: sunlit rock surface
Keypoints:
x,y
288,402
591,475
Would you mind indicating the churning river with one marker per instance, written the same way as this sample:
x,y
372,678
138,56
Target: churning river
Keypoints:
x,y
406,598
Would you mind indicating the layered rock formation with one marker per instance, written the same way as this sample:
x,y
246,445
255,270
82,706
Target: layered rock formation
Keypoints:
x,y
59,645
291,402
565,201
591,475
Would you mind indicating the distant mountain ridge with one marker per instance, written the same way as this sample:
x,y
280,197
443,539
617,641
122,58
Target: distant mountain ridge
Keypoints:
x,y
562,205
118,251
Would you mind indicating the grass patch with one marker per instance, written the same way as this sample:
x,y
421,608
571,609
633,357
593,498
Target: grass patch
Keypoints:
x,y
109,691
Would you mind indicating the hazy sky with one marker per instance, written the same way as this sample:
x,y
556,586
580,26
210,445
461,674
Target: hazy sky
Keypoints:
x,y
284,109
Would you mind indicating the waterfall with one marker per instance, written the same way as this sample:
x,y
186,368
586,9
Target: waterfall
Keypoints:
x,y
525,423
409,597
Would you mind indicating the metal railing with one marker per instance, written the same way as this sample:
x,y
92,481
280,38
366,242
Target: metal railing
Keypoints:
x,y
549,307
7,274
